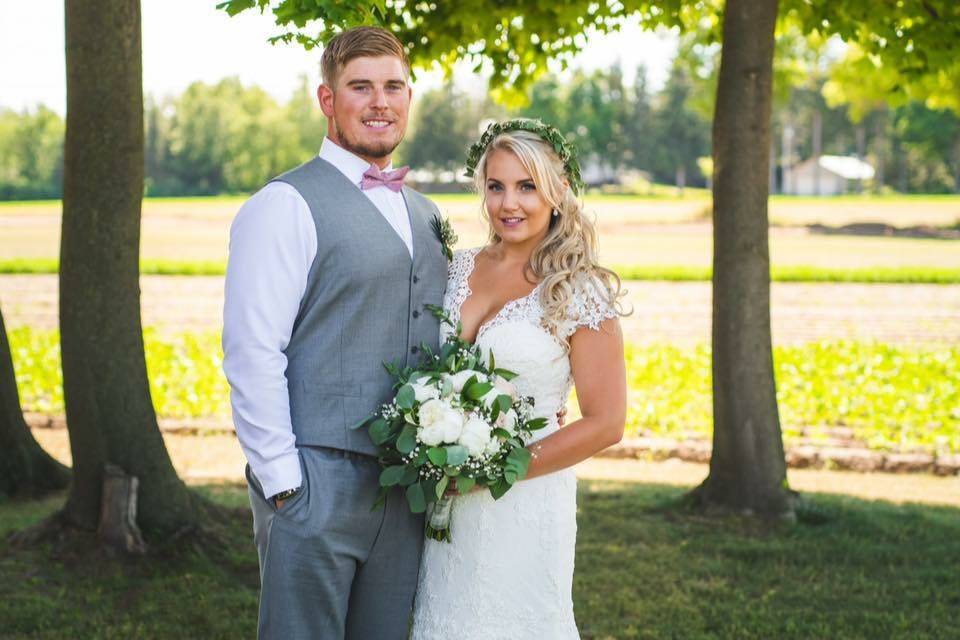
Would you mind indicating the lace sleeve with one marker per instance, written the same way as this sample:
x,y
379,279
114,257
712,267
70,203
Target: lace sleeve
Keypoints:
x,y
589,306
457,273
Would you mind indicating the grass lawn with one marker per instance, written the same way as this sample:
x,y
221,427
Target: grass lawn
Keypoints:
x,y
645,569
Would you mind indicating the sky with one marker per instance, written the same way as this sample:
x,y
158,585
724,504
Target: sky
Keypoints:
x,y
189,40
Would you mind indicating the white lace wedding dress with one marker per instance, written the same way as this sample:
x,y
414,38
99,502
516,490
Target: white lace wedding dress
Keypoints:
x,y
508,572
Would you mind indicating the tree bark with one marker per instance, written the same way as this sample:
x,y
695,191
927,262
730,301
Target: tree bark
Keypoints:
x,y
110,414
817,148
861,135
747,468
26,470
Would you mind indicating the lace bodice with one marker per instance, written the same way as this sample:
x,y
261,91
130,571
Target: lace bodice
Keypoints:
x,y
519,339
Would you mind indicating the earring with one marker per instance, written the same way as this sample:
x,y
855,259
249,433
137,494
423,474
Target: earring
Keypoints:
x,y
555,213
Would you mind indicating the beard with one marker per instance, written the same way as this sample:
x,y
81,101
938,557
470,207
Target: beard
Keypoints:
x,y
380,149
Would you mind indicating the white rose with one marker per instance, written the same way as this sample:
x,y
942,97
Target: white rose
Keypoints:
x,y
459,379
439,423
508,421
492,447
475,436
424,390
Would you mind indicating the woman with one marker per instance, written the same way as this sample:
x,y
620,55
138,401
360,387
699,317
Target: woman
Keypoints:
x,y
537,298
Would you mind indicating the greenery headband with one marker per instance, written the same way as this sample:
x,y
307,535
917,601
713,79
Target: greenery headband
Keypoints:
x,y
549,134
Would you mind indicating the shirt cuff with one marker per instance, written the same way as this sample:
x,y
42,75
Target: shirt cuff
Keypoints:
x,y
279,474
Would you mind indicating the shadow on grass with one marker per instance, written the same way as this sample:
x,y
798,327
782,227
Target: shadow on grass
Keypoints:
x,y
646,568
850,569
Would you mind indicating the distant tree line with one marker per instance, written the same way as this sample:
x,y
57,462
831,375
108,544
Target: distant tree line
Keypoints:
x,y
230,138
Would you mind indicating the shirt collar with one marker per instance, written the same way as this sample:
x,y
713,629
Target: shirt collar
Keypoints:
x,y
349,164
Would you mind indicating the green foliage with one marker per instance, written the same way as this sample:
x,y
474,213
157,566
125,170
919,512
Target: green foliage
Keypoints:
x,y
676,273
891,396
516,38
31,154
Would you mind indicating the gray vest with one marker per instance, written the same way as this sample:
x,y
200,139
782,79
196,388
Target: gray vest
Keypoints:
x,y
363,306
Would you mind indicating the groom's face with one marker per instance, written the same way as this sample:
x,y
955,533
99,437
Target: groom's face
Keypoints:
x,y
367,109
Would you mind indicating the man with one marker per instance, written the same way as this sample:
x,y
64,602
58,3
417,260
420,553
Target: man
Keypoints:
x,y
330,267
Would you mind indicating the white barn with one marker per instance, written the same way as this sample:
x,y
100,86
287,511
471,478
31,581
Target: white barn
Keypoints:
x,y
836,173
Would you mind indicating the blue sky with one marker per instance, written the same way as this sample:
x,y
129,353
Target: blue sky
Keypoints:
x,y
189,40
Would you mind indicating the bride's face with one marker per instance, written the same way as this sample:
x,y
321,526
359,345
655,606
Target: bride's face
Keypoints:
x,y
517,210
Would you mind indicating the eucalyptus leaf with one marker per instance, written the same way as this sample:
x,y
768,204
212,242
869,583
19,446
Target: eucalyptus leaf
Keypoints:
x,y
416,498
464,484
406,397
456,455
380,431
407,441
437,455
391,475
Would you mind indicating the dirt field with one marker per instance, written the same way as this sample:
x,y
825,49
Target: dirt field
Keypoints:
x,y
632,231
203,459
676,312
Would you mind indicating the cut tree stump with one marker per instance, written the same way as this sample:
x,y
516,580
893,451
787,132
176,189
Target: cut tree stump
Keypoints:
x,y
118,512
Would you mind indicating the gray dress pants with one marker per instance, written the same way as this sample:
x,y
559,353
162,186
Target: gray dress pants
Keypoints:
x,y
330,567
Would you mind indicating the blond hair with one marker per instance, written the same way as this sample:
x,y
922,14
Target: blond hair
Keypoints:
x,y
359,42
567,257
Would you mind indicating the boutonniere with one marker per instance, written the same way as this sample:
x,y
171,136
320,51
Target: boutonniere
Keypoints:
x,y
445,234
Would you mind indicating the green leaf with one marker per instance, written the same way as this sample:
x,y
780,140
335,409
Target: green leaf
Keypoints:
x,y
501,433
409,475
391,475
464,484
536,423
506,374
441,487
437,455
416,498
407,441
477,390
504,402
518,461
492,362
406,397
499,488
429,486
456,455
380,431
494,411
382,493
367,420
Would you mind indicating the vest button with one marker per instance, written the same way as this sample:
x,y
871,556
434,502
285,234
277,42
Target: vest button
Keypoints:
x,y
416,279
416,314
414,350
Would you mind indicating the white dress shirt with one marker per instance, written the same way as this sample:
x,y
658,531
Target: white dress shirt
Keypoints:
x,y
273,243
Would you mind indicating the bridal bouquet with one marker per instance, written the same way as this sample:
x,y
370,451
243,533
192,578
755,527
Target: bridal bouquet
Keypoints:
x,y
455,423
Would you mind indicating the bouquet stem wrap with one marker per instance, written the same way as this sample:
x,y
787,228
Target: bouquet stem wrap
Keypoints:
x,y
438,523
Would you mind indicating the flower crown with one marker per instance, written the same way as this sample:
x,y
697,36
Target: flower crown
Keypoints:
x,y
549,134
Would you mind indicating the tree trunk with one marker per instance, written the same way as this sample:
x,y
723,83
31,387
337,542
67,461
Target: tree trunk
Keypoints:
x,y
880,149
817,148
747,468
26,470
681,178
956,164
861,134
786,150
110,414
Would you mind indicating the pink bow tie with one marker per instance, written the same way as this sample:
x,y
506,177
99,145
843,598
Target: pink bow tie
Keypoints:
x,y
392,180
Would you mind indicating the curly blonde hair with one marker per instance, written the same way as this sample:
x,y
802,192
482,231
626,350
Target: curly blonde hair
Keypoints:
x,y
567,256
